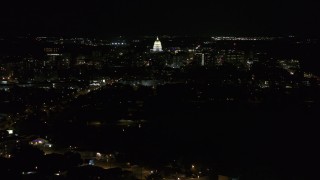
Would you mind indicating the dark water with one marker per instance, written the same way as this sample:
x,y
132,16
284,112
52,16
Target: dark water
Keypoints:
x,y
284,140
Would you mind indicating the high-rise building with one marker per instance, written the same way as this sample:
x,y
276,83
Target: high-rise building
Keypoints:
x,y
53,56
157,47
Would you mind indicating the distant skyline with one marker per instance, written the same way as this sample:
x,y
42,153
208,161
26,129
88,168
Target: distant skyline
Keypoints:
x,y
142,17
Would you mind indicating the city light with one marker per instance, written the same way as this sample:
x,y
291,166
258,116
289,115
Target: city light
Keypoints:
x,y
145,107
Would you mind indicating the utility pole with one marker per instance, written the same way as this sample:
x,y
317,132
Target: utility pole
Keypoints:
x,y
141,171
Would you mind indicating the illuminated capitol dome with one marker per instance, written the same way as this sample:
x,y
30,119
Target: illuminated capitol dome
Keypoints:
x,y
157,47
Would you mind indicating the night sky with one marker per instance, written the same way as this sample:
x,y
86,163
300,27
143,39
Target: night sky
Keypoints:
x,y
172,17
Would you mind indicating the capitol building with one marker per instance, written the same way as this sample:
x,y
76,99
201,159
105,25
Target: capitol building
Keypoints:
x,y
157,47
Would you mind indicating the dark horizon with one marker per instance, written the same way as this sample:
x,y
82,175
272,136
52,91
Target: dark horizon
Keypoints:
x,y
97,18
153,35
